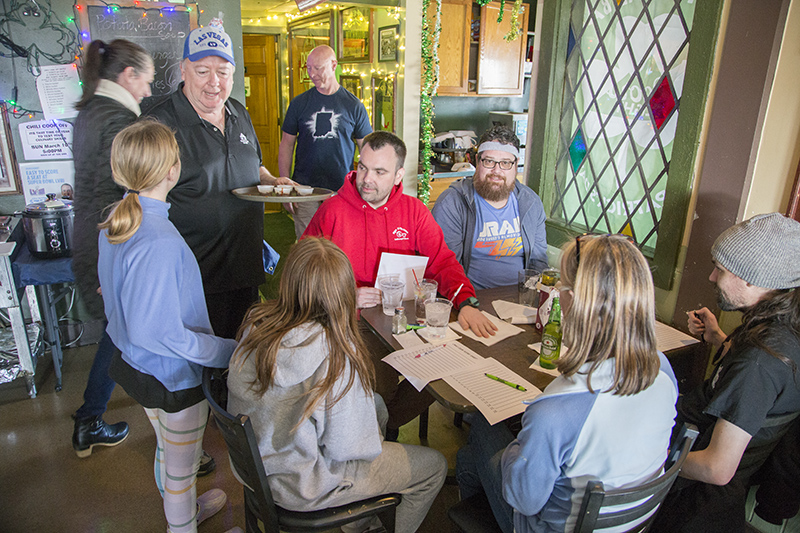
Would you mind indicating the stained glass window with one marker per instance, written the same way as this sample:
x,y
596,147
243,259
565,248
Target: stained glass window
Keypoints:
x,y
626,63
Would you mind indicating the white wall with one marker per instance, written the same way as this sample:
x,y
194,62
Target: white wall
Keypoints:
x,y
779,147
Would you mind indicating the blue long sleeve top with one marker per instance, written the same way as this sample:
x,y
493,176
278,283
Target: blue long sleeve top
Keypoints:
x,y
571,435
154,303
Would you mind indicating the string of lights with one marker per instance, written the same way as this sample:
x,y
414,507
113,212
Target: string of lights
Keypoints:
x,y
372,74
38,16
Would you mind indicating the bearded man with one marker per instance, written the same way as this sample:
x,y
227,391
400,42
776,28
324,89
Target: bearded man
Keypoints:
x,y
494,223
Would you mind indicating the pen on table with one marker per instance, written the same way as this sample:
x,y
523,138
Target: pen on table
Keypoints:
x,y
413,326
429,351
501,380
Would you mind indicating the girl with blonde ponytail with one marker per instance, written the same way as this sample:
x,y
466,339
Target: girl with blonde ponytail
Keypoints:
x,y
142,156
157,317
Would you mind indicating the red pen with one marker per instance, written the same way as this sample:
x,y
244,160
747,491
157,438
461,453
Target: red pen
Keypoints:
x,y
429,351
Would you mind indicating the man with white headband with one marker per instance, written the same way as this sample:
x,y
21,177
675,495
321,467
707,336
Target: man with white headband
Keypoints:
x,y
493,232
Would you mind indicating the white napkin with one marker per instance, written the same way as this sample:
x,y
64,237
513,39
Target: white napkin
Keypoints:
x,y
514,313
504,330
536,365
408,339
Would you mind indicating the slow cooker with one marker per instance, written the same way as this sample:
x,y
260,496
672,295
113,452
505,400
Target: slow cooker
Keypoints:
x,y
48,228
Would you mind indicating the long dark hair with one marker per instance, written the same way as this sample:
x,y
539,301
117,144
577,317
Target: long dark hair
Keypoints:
x,y
107,61
761,322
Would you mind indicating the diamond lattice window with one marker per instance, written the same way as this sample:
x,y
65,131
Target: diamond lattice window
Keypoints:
x,y
626,61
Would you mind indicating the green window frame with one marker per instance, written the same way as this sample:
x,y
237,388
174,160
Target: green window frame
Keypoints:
x,y
550,93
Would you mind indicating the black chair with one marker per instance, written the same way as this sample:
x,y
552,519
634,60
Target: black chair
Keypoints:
x,y
592,515
259,505
474,515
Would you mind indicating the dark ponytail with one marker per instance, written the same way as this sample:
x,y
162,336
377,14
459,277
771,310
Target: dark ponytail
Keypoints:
x,y
103,61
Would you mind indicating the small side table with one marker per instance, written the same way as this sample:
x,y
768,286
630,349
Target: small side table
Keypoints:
x,y
42,274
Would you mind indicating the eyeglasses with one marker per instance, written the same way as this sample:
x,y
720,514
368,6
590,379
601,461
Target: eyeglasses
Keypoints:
x,y
582,235
491,163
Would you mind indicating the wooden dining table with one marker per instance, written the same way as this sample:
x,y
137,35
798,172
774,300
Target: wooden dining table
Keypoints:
x,y
688,362
513,352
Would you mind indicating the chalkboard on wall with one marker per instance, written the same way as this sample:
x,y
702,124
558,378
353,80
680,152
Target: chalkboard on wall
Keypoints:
x,y
161,29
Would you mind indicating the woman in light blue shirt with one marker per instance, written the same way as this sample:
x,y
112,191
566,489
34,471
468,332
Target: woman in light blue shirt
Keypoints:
x,y
607,416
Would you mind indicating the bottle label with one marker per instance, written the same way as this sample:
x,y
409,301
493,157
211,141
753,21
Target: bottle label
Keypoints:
x,y
549,344
550,347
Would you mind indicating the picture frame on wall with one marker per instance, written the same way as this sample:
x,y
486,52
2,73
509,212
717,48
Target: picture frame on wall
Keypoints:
x,y
355,33
9,172
304,36
384,115
387,43
352,84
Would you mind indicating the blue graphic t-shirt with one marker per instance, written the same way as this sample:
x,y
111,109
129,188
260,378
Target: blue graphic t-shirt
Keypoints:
x,y
325,126
497,256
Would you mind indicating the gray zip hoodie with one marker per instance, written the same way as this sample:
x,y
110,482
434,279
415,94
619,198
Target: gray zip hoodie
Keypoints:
x,y
325,452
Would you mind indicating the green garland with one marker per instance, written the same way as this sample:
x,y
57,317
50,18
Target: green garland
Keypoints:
x,y
515,30
430,84
502,8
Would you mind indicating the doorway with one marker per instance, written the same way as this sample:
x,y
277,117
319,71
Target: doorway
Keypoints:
x,y
261,74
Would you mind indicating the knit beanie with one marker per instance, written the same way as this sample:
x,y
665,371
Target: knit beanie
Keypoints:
x,y
764,251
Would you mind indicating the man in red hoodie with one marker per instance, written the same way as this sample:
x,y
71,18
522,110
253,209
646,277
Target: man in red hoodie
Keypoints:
x,y
371,215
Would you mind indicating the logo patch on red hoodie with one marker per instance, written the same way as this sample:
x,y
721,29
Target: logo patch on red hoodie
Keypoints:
x,y
400,234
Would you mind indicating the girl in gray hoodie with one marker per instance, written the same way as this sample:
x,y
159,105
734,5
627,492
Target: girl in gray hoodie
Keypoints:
x,y
302,375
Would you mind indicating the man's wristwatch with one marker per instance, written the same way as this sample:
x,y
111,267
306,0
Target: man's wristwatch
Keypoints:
x,y
471,301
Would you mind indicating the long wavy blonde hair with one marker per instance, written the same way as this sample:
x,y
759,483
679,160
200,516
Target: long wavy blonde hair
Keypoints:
x,y
317,285
141,157
612,312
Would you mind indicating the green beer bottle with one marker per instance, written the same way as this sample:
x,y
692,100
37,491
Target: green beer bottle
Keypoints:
x,y
551,337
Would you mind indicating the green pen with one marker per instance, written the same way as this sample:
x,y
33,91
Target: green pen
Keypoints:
x,y
410,327
501,380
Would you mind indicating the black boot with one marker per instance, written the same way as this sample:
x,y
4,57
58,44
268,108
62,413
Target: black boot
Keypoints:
x,y
92,431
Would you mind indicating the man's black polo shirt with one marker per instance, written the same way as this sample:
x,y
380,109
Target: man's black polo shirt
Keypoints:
x,y
223,231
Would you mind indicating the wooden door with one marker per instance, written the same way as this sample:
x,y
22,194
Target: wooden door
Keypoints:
x,y
500,69
453,45
260,63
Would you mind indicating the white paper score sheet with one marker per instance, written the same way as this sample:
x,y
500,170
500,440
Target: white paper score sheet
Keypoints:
x,y
496,401
422,364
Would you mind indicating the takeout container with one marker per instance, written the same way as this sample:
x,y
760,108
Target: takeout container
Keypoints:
x,y
284,190
304,190
265,189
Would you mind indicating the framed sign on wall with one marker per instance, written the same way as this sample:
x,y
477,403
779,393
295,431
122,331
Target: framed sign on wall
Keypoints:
x,y
384,89
387,43
352,84
355,30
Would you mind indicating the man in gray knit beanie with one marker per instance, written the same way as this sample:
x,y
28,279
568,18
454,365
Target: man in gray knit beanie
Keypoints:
x,y
750,400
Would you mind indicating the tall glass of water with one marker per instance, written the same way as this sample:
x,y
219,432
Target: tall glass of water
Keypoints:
x,y
437,314
391,293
